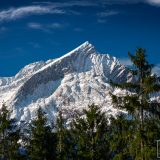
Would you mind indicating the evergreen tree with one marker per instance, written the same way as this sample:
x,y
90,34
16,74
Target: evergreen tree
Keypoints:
x,y
41,142
90,134
121,135
138,104
9,136
64,140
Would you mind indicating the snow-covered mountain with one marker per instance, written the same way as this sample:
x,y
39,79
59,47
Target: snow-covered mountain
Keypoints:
x,y
71,82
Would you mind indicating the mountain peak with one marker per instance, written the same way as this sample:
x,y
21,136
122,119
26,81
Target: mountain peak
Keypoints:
x,y
86,44
78,77
84,47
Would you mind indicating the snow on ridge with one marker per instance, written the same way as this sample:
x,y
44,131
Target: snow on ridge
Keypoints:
x,y
71,82
75,51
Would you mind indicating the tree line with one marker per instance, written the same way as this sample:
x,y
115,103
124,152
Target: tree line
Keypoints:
x,y
93,136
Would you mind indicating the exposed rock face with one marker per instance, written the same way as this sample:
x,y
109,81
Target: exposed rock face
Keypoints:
x,y
71,82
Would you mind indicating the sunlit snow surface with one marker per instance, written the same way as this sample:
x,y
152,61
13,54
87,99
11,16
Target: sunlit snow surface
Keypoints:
x,y
70,83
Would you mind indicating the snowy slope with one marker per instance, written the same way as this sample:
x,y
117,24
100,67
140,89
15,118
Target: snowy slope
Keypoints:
x,y
71,82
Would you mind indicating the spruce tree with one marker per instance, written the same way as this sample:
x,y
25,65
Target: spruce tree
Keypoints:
x,y
40,146
9,135
121,134
90,134
64,140
139,105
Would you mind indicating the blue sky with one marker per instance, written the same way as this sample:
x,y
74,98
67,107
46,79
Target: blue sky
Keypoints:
x,y
40,30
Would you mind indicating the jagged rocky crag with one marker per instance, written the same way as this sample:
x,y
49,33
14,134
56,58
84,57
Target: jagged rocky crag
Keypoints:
x,y
71,82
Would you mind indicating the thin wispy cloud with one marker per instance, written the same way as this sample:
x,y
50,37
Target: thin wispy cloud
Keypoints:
x,y
83,3
101,21
17,13
38,26
107,13
41,8
97,3
46,27
56,25
103,15
154,2
122,2
34,25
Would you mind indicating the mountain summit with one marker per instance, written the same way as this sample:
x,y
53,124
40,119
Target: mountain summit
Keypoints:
x,y
70,83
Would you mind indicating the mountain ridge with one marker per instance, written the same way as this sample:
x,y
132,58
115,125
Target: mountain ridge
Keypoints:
x,y
71,82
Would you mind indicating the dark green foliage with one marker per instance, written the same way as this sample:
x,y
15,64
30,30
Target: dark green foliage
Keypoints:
x,y
64,139
121,135
41,142
140,108
90,135
9,136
